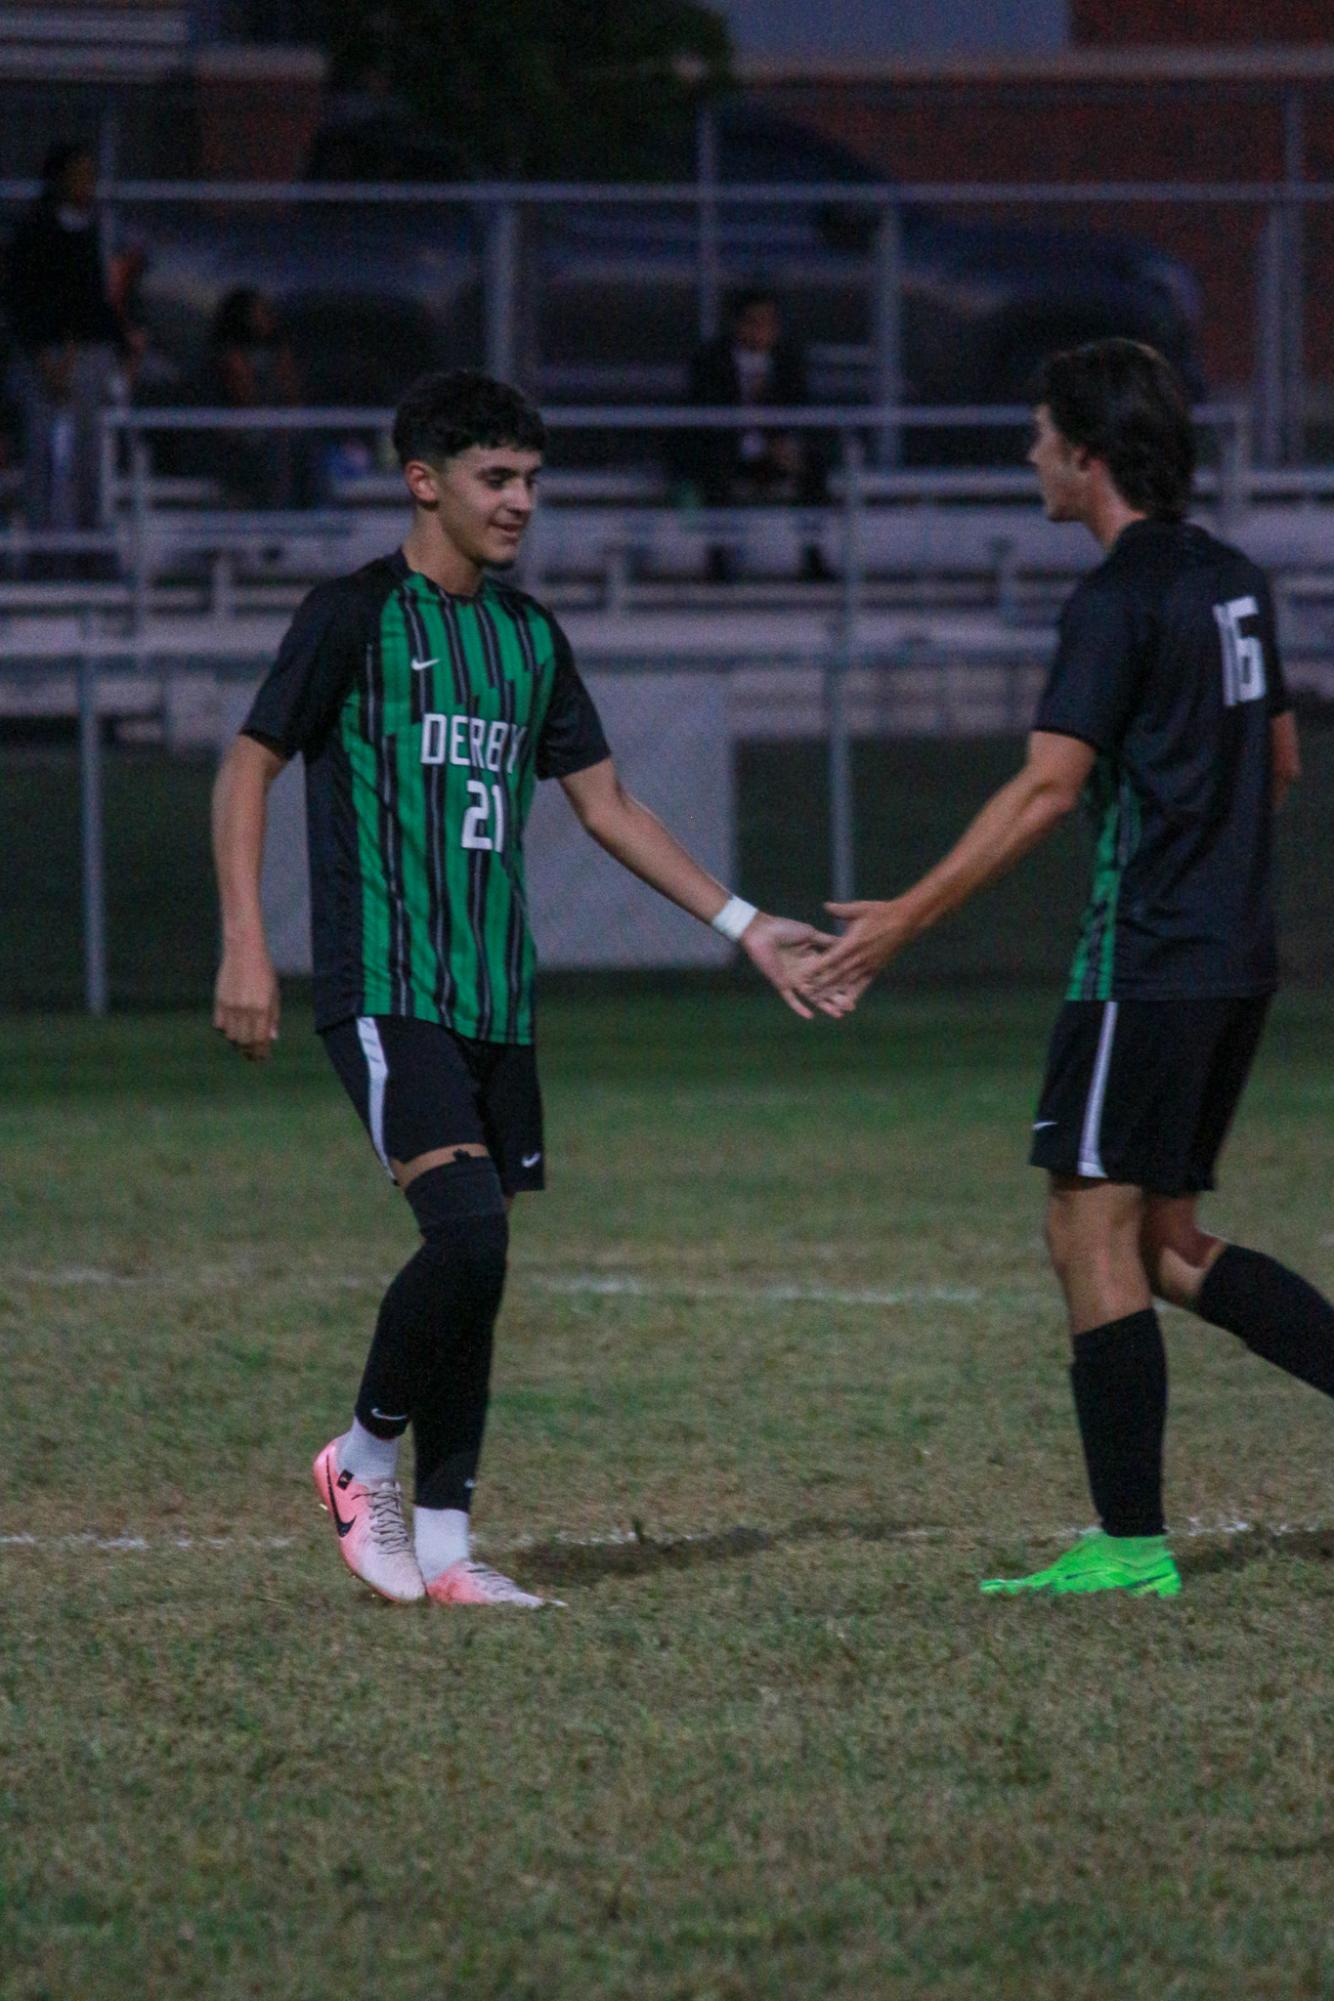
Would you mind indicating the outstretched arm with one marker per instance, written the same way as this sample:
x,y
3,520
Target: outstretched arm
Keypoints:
x,y
1013,821
780,948
245,997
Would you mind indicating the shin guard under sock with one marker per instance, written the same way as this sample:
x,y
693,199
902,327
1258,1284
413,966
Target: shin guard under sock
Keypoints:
x,y
1119,1378
400,1348
1275,1312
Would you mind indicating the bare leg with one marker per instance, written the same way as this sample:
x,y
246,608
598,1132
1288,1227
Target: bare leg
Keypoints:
x,y
1279,1316
1093,1238
1119,1372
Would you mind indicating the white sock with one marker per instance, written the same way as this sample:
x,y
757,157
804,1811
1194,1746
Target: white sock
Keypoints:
x,y
441,1538
367,1457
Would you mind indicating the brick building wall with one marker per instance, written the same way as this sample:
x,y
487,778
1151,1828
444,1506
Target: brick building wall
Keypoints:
x,y
1122,116
1195,23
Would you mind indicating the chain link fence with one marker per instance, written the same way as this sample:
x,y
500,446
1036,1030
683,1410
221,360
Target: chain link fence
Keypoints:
x,y
106,833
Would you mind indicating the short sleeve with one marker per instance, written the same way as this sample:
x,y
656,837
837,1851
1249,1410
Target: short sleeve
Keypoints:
x,y
299,700
1095,677
572,737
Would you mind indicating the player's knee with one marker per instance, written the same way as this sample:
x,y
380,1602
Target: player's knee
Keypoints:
x,y
461,1213
1091,1224
1177,1253
1062,1233
1179,1235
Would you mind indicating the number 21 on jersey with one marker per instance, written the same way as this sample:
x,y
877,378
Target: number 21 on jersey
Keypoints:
x,y
484,821
1243,652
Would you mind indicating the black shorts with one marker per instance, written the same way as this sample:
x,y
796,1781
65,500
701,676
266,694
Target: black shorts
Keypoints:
x,y
1143,1091
418,1086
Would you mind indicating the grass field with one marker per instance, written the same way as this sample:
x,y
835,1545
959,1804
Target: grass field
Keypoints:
x,y
781,1376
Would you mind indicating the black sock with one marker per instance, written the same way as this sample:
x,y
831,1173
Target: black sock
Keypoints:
x,y
450,1415
451,1420
1277,1314
1119,1378
430,1359
392,1378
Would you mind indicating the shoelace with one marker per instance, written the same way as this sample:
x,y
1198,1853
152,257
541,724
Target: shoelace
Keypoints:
x,y
388,1528
503,1587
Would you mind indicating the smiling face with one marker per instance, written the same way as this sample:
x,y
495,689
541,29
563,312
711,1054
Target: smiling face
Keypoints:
x,y
482,500
1062,469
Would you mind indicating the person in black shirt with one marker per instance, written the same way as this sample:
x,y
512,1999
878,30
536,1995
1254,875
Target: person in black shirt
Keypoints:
x,y
753,363
1166,709
250,365
70,341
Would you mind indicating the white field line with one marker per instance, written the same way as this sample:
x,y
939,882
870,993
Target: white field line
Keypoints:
x,y
612,1286
575,1285
140,1545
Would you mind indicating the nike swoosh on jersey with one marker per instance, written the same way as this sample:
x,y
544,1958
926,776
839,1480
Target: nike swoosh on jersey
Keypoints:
x,y
422,665
1040,1125
530,1159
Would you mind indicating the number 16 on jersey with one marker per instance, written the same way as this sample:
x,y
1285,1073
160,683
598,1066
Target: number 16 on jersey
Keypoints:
x,y
1243,652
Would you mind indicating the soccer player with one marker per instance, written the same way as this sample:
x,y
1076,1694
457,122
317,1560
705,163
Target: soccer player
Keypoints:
x,y
427,697
1165,708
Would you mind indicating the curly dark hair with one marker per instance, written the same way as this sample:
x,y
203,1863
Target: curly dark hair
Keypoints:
x,y
444,413
1125,403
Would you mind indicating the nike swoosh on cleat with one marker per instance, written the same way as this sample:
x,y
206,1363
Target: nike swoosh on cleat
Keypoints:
x,y
422,665
1153,1584
342,1526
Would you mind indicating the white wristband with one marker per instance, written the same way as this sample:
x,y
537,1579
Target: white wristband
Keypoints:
x,y
733,918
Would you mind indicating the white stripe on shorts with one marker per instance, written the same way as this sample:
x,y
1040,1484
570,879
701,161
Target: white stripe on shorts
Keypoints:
x,y
1090,1138
378,1075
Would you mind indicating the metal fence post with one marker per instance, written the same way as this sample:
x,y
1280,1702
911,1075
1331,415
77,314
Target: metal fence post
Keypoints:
x,y
90,814
139,510
500,289
1294,282
887,327
839,662
1233,468
1269,345
709,277
106,499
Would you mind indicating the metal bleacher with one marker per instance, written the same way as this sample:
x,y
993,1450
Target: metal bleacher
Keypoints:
x,y
620,540
936,572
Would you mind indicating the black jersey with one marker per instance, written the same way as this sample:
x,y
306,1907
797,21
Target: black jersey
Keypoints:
x,y
1169,667
425,719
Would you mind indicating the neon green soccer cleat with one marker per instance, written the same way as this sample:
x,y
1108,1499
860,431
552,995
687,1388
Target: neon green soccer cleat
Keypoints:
x,y
1143,1565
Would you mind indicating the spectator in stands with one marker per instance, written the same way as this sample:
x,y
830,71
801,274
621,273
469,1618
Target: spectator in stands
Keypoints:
x,y
74,351
250,365
752,363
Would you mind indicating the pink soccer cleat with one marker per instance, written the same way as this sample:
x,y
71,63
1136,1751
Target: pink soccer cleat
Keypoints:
x,y
470,1583
373,1538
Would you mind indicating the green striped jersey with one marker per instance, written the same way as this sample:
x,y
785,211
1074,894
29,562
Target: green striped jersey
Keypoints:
x,y
425,720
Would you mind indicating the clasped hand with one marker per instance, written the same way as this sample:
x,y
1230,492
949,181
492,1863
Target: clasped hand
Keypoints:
x,y
875,933
787,953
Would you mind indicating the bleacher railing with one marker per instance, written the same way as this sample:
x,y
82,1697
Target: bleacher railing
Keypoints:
x,y
1278,283
129,534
